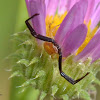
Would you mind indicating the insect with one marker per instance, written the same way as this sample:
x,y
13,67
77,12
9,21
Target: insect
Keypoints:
x,y
47,39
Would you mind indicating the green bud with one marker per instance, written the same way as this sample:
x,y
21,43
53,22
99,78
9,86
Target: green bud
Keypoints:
x,y
42,72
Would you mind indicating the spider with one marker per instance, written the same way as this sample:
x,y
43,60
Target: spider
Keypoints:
x,y
44,38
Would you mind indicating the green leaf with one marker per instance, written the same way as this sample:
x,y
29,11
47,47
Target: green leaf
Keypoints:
x,y
34,60
97,81
43,95
85,95
54,89
27,42
16,73
40,73
65,97
23,61
28,82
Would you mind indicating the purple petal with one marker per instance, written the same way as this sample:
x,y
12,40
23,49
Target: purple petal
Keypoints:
x,y
74,18
90,9
96,18
96,53
52,7
38,22
90,47
74,40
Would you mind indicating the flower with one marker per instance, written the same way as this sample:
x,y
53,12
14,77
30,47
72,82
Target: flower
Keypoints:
x,y
68,33
69,29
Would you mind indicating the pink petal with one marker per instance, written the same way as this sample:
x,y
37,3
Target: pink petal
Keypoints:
x,y
52,7
62,6
73,2
72,20
90,9
96,18
68,5
38,22
90,47
46,3
74,40
97,2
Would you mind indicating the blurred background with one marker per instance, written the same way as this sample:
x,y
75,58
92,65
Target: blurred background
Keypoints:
x,y
13,14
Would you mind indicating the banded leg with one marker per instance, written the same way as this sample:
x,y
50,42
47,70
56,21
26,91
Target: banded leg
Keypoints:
x,y
69,79
44,38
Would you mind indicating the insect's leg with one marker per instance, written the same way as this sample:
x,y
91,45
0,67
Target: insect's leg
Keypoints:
x,y
30,27
44,38
36,35
69,79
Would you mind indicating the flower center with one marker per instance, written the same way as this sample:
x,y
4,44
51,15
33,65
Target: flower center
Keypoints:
x,y
90,34
52,25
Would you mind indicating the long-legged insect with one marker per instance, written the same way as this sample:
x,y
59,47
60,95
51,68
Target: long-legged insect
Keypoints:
x,y
44,38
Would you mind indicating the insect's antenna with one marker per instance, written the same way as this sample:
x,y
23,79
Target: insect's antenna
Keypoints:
x,y
44,38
